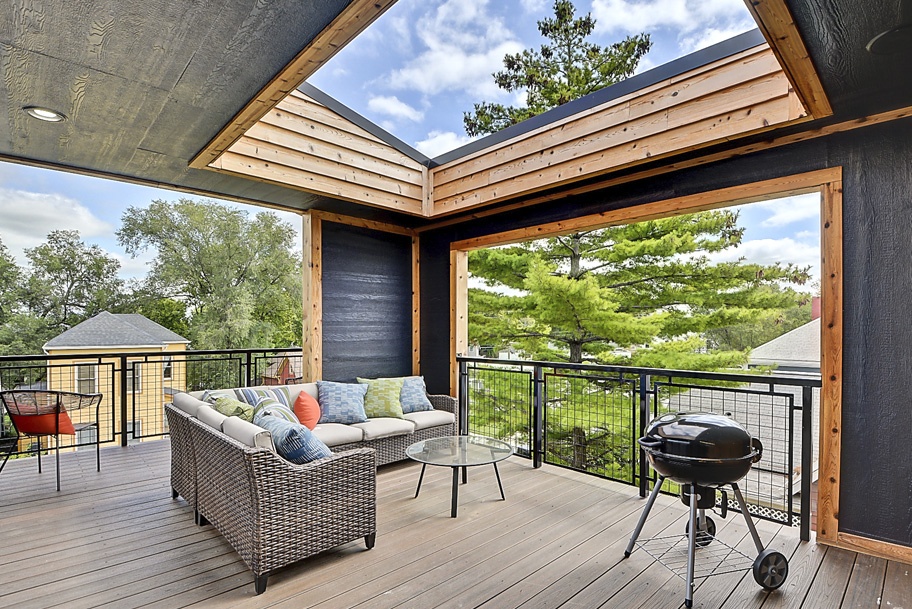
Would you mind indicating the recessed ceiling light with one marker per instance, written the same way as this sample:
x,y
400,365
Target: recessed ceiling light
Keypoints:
x,y
44,114
893,41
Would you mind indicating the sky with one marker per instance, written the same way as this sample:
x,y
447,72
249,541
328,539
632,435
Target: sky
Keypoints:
x,y
414,72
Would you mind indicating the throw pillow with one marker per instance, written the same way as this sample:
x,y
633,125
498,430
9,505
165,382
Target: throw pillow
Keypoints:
x,y
382,398
211,395
44,424
252,396
414,395
269,407
292,441
341,402
307,409
231,407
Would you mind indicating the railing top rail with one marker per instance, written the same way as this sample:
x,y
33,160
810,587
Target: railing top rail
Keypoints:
x,y
656,372
134,354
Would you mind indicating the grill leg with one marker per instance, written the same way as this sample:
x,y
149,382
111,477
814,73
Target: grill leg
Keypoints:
x,y
691,547
642,521
747,517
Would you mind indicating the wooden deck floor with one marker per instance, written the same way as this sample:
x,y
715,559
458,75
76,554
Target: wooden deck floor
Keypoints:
x,y
117,539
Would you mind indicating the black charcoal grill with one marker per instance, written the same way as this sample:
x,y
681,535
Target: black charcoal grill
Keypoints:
x,y
704,453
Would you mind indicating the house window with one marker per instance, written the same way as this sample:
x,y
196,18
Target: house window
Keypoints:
x,y
134,377
166,367
86,378
134,431
86,436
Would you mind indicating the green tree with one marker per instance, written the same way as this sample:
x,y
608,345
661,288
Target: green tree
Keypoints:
x,y
69,281
239,277
167,312
10,280
565,69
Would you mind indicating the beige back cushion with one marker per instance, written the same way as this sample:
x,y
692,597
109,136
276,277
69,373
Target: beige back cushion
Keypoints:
x,y
210,416
187,403
247,433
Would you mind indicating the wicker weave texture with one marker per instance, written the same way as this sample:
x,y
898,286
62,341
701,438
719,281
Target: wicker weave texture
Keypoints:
x,y
183,465
274,512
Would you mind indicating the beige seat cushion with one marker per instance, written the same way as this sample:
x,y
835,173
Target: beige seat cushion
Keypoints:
x,y
334,434
247,433
384,427
430,418
210,417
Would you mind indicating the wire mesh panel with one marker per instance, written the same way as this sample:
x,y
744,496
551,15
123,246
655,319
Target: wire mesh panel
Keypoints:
x,y
590,424
500,404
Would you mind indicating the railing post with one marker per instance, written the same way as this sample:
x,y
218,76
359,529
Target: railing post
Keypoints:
x,y
645,380
537,416
463,398
249,369
123,400
807,447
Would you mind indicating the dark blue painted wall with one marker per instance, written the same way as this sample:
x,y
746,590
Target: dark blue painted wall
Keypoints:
x,y
367,303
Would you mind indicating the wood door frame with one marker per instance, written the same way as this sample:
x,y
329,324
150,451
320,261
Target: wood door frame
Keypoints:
x,y
827,182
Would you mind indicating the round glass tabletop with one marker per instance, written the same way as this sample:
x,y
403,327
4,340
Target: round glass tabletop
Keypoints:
x,y
459,451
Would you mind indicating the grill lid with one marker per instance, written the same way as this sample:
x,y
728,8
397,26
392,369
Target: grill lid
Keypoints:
x,y
700,436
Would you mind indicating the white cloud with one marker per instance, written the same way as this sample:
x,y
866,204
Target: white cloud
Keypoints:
x,y
791,209
393,106
534,6
439,142
710,36
807,234
28,217
463,44
771,251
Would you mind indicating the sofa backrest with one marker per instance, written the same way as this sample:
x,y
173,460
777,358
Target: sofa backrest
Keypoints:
x,y
293,390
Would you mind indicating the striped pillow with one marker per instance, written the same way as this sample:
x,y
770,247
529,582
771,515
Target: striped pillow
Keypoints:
x,y
267,407
252,396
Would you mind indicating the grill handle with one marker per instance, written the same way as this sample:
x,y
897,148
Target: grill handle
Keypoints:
x,y
758,448
651,443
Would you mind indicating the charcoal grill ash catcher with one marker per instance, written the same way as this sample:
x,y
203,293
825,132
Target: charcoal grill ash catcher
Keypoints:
x,y
705,454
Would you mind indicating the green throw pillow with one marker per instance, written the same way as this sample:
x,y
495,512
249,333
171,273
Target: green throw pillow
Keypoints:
x,y
231,407
382,399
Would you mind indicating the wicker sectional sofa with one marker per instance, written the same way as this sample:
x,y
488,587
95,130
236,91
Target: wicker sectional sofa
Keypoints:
x,y
274,512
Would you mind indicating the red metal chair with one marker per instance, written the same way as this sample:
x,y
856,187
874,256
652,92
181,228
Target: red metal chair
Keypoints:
x,y
44,413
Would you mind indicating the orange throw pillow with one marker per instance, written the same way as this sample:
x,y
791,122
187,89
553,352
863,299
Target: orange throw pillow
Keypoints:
x,y
43,424
307,409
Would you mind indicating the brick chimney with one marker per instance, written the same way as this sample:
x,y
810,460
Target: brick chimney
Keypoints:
x,y
815,307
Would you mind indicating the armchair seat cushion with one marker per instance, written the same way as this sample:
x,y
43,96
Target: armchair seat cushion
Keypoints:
x,y
384,427
430,418
335,434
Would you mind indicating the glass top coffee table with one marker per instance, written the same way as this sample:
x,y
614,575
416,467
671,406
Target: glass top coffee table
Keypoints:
x,y
459,453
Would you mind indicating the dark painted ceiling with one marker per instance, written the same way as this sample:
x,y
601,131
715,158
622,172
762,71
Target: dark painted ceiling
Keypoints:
x,y
145,84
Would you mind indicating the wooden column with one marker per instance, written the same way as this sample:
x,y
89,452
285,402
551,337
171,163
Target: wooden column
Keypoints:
x,y
416,305
312,268
459,312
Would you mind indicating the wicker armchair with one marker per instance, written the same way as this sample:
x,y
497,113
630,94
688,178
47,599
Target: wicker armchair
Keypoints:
x,y
274,512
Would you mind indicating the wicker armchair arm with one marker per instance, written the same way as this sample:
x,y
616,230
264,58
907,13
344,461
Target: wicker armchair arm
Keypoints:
x,y
444,402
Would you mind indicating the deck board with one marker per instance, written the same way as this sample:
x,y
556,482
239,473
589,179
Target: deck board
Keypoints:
x,y
117,539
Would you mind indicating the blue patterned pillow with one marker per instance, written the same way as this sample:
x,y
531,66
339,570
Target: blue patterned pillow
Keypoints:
x,y
269,407
341,402
414,395
293,442
252,396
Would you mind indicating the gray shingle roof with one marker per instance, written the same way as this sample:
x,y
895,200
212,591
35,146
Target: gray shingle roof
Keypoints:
x,y
799,348
115,330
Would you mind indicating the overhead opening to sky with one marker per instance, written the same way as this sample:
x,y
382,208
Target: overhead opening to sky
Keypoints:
x,y
422,64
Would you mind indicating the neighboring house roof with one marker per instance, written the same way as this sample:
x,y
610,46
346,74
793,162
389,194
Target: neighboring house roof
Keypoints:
x,y
799,348
115,330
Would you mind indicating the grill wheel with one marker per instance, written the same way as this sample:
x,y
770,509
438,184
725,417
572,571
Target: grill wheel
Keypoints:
x,y
770,569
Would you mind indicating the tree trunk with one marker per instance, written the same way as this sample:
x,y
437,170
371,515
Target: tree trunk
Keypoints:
x,y
576,352
578,439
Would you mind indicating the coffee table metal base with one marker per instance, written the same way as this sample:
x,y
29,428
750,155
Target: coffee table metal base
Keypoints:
x,y
454,499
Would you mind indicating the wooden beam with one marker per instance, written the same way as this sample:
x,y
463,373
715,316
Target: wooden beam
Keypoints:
x,y
675,166
362,223
349,23
459,313
312,250
874,547
734,195
416,305
778,26
830,364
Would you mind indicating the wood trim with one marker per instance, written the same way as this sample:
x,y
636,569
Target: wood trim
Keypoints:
x,y
312,254
779,28
734,195
675,166
874,547
831,363
353,19
416,305
362,223
459,313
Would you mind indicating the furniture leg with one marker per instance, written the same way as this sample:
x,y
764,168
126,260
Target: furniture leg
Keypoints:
x,y
97,444
420,478
57,459
499,484
259,583
455,498
369,540
465,475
